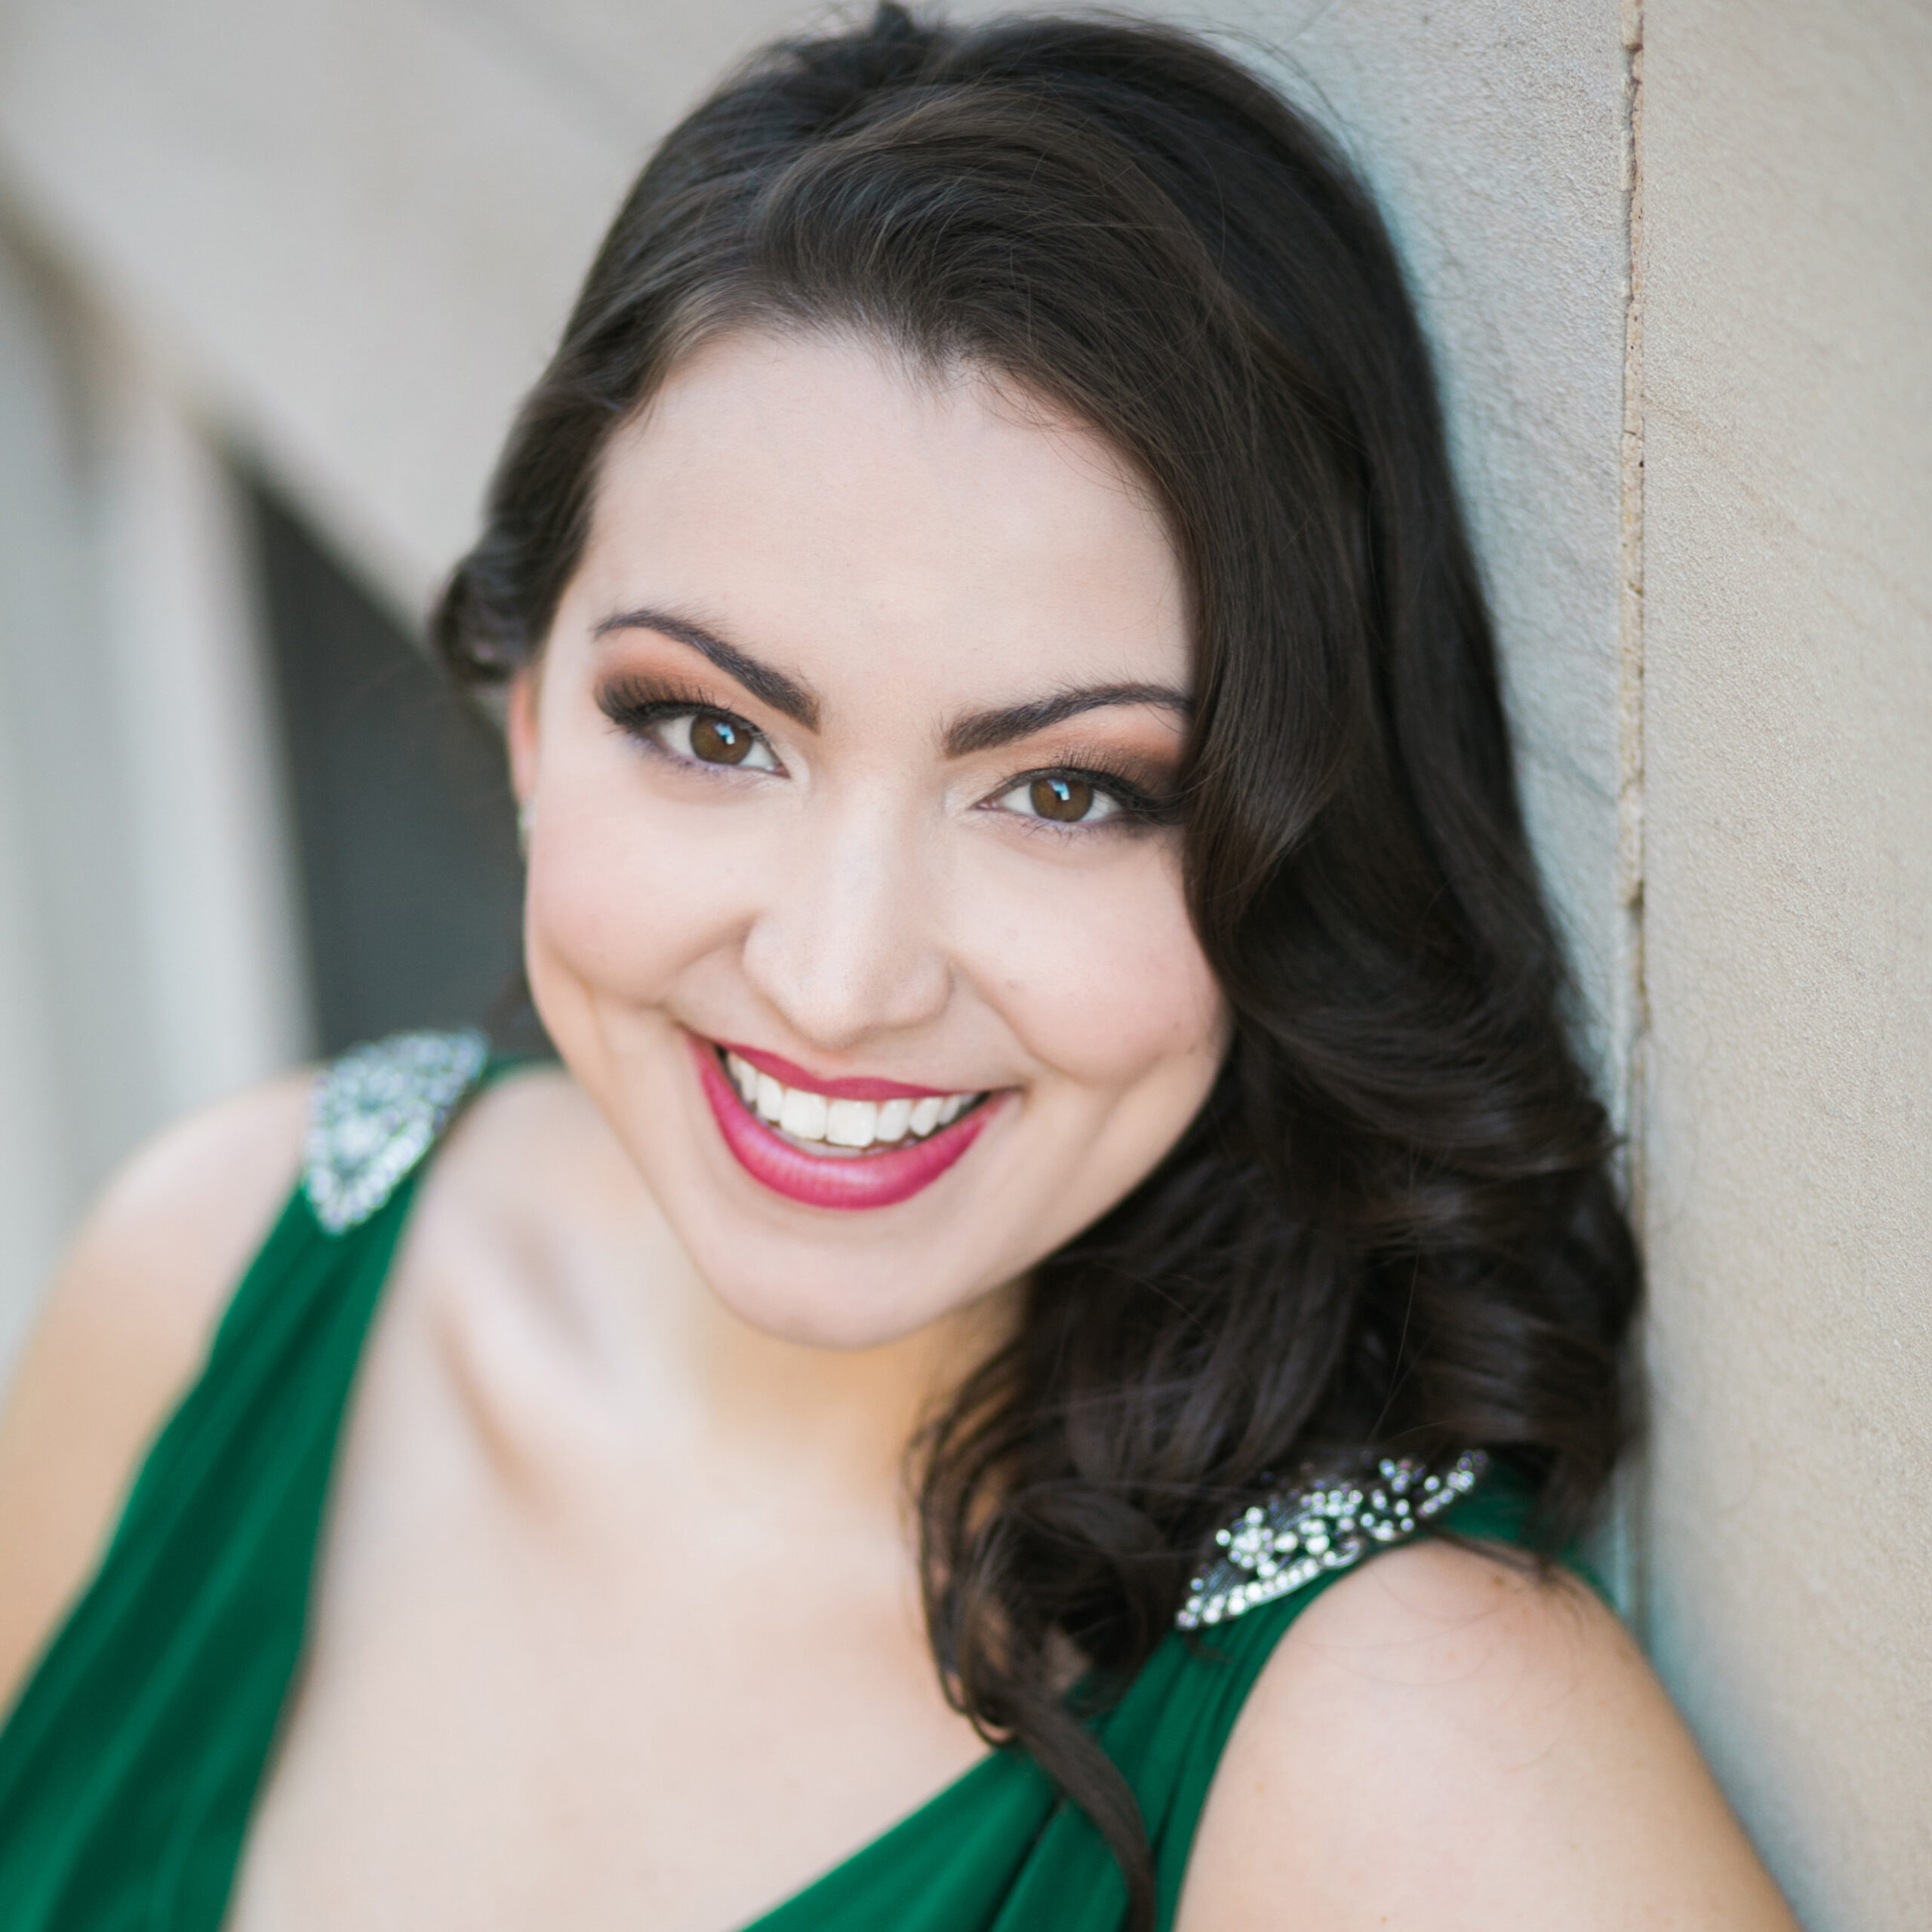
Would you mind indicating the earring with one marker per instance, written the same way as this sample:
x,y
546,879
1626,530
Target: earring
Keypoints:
x,y
525,812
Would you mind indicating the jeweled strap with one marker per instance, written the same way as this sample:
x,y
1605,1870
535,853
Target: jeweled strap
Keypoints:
x,y
1326,1523
375,1113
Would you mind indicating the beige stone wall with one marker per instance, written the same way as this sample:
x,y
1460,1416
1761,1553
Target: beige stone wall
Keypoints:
x,y
349,228
1787,642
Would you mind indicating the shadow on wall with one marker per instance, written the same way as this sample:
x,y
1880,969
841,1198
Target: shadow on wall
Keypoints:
x,y
405,827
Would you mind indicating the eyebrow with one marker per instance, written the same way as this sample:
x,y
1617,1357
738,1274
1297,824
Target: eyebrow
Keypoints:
x,y
978,731
983,730
786,696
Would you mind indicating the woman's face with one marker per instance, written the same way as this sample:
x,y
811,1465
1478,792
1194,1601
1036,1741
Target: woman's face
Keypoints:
x,y
855,895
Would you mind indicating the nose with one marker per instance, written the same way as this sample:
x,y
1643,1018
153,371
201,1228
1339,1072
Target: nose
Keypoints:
x,y
845,944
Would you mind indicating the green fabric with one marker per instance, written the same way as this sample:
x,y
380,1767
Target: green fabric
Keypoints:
x,y
130,1761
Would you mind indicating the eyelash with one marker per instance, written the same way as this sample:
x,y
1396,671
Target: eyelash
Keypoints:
x,y
1137,809
635,708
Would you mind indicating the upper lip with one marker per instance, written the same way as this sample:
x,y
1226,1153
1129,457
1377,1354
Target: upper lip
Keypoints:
x,y
847,1087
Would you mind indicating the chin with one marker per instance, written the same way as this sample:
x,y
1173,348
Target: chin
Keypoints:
x,y
844,1279
834,1313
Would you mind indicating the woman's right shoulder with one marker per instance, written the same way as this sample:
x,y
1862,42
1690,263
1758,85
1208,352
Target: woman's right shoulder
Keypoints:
x,y
122,1333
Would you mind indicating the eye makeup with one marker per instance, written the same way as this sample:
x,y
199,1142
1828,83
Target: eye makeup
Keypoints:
x,y
1136,802
1139,791
638,706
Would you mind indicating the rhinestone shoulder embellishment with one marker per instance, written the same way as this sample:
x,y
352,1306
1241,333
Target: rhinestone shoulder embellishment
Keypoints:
x,y
1328,1524
376,1112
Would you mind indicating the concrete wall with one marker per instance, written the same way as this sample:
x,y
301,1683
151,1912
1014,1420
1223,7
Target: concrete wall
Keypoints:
x,y
1787,642
352,227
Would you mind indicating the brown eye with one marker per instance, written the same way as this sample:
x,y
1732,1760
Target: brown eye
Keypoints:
x,y
1061,798
718,741
1066,799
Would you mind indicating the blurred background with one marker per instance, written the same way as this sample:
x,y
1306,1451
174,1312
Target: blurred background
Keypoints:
x,y
273,274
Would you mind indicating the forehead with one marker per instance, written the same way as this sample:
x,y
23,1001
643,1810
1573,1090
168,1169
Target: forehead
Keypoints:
x,y
819,498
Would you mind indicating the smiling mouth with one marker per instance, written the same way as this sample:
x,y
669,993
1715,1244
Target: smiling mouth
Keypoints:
x,y
828,1124
845,1149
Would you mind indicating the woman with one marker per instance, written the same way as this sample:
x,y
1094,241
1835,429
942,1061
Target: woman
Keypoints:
x,y
1057,1024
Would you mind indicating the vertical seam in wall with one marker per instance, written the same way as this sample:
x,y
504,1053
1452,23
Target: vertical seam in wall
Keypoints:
x,y
1633,1025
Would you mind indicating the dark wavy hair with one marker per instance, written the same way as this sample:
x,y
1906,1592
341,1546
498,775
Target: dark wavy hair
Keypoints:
x,y
1392,1226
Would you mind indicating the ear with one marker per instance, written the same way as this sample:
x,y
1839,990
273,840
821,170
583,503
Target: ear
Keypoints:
x,y
519,733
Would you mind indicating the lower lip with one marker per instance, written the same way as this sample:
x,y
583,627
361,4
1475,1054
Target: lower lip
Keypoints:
x,y
829,1180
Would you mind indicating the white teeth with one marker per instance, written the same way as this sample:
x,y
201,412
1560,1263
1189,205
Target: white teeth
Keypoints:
x,y
852,1123
805,1113
807,1116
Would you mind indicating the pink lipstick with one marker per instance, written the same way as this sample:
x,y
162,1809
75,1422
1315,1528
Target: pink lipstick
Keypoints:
x,y
782,1069
845,1181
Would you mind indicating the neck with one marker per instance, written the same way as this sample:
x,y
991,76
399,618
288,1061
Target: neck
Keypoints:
x,y
837,1423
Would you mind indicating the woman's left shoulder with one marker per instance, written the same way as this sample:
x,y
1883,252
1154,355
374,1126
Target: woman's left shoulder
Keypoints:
x,y
1447,1739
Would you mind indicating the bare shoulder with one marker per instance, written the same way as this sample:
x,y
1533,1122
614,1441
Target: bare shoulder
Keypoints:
x,y
1445,1739
123,1330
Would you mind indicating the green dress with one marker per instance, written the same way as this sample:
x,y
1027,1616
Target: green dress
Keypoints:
x,y
132,1759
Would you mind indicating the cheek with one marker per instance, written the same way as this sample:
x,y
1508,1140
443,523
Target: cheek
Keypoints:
x,y
619,898
1102,976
